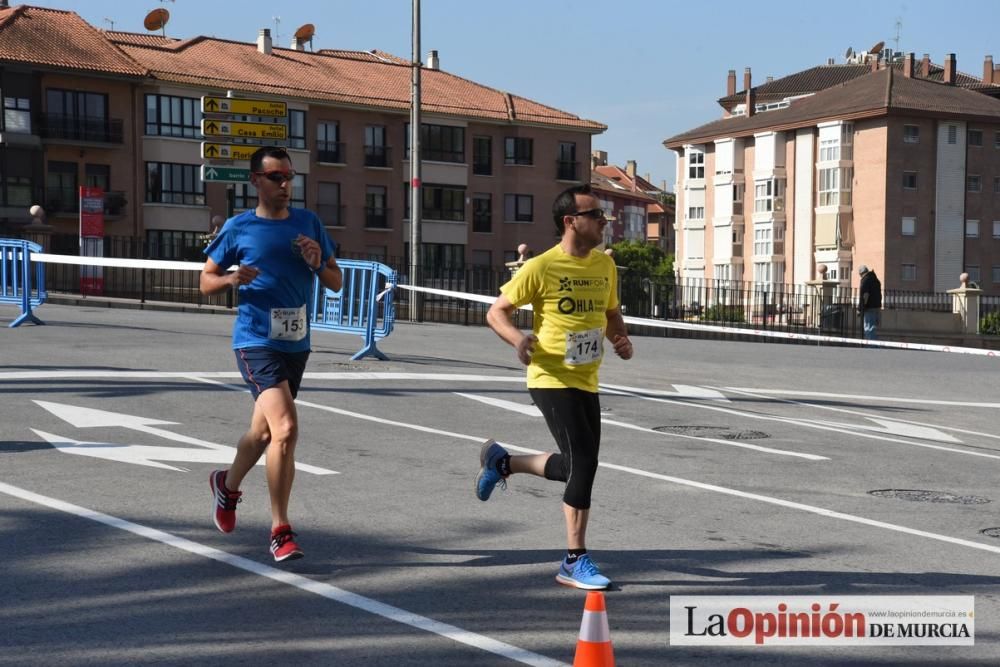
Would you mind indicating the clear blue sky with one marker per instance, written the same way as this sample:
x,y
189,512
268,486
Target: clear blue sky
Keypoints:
x,y
647,69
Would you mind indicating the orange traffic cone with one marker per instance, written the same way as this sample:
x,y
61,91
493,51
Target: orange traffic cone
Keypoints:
x,y
593,649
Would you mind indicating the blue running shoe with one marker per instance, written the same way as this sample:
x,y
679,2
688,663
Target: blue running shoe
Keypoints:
x,y
489,476
582,574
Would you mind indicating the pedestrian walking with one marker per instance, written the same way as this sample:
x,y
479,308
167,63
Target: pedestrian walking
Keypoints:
x,y
869,301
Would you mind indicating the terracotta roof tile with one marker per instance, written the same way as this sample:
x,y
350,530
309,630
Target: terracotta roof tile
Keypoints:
x,y
60,39
373,79
879,93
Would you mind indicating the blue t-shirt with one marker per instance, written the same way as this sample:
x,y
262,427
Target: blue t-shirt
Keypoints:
x,y
275,308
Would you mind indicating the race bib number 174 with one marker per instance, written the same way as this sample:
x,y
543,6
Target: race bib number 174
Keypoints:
x,y
583,347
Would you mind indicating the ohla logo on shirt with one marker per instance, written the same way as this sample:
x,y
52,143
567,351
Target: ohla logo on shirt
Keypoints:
x,y
568,305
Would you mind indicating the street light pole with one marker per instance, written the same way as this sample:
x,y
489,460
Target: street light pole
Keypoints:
x,y
416,193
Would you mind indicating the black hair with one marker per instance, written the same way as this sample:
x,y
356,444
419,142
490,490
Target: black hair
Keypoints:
x,y
565,204
257,159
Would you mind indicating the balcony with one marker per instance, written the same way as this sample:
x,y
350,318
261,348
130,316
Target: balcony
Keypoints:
x,y
566,170
332,215
86,129
330,151
376,217
67,200
376,156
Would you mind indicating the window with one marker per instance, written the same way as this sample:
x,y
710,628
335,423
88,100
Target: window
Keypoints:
x,y
996,274
909,227
952,134
97,176
566,165
376,213
443,203
835,186
738,189
973,271
443,143
908,272
328,206
975,137
171,183
909,180
996,185
482,212
328,146
61,194
17,115
996,139
762,242
518,208
517,150
296,128
169,244
972,229
79,115
696,164
245,196
973,183
829,149
298,197
768,196
911,134
996,229
376,152
696,213
442,260
482,156
172,116
19,190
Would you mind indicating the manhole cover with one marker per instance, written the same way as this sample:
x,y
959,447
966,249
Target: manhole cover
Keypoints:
x,y
724,432
921,496
991,532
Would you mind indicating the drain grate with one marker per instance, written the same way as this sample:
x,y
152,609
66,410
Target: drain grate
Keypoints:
x,y
990,532
921,496
702,431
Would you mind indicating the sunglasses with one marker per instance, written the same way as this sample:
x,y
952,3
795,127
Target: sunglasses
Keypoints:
x,y
595,213
277,176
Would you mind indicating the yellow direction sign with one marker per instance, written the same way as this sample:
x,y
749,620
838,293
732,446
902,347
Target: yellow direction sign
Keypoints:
x,y
223,128
210,151
242,106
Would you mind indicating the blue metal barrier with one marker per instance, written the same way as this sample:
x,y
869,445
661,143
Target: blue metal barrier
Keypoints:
x,y
15,278
365,305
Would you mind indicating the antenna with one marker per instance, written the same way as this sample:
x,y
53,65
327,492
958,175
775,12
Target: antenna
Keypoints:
x,y
110,22
899,29
277,25
305,34
157,20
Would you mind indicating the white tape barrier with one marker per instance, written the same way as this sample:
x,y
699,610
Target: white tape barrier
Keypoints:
x,y
670,324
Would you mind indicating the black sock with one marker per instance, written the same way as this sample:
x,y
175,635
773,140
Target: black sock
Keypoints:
x,y
573,554
503,465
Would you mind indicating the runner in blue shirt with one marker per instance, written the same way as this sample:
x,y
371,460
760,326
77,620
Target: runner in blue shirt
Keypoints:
x,y
277,251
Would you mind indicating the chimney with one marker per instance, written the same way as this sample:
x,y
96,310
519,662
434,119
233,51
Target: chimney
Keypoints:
x,y
988,70
829,61
874,63
731,83
433,62
908,65
949,69
630,168
749,91
925,66
297,45
598,159
264,41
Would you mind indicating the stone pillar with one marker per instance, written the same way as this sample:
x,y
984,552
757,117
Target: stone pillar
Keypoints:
x,y
821,298
965,304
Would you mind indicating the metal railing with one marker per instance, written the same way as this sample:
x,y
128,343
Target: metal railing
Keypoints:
x,y
376,156
330,151
67,127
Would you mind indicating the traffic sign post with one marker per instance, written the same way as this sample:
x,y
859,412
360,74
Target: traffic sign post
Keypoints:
x,y
213,174
211,151
211,127
243,106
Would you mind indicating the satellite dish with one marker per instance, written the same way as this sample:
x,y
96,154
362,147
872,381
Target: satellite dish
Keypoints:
x,y
305,32
156,19
848,53
877,48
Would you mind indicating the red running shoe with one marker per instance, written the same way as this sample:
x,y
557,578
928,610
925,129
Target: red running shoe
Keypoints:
x,y
283,546
223,502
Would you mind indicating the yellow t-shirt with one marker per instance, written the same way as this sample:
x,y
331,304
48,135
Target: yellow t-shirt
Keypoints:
x,y
570,297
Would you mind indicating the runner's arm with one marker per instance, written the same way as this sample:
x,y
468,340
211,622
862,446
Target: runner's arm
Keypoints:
x,y
500,317
618,334
214,279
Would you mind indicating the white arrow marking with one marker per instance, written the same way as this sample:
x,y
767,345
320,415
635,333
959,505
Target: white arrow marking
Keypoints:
x,y
90,417
681,391
211,172
532,411
893,427
138,454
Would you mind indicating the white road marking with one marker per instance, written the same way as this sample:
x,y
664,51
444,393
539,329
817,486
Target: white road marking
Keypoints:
x,y
82,417
861,397
532,411
229,375
327,591
680,391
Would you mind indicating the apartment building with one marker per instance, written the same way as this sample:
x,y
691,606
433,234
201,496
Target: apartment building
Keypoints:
x,y
122,111
887,162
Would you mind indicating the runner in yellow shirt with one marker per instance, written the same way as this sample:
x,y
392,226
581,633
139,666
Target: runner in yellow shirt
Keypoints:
x,y
573,291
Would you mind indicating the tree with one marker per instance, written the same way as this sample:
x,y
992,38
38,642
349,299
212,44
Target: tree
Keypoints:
x,y
646,276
